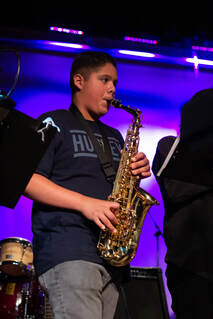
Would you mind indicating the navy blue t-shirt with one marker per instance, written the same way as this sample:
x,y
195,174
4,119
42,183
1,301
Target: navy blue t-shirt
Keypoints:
x,y
61,235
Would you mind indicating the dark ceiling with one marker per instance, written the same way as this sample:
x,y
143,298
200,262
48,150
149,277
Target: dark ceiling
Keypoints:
x,y
172,24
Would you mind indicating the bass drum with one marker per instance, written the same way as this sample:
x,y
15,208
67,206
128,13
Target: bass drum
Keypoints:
x,y
20,298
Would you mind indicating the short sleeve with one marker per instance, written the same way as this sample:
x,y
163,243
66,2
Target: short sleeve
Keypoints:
x,y
45,166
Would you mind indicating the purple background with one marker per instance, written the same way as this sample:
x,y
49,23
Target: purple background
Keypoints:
x,y
158,90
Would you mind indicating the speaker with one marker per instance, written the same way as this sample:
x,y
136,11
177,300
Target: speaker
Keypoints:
x,y
48,313
142,296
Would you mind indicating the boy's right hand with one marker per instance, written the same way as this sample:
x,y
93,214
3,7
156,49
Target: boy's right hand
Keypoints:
x,y
102,212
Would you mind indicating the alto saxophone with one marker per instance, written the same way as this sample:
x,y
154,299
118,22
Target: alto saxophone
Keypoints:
x,y
120,248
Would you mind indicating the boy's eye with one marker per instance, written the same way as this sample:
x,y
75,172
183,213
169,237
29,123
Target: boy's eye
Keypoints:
x,y
107,79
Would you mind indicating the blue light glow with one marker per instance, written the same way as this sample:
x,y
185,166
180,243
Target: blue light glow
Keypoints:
x,y
67,45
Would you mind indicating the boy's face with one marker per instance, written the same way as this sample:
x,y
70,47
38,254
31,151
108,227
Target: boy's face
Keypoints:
x,y
97,92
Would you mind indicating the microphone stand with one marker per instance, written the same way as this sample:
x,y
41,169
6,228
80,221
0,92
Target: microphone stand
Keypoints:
x,y
6,101
6,104
157,234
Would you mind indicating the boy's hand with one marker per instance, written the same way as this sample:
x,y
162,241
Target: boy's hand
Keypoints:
x,y
102,212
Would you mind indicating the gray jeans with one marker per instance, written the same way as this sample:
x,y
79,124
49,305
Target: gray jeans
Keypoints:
x,y
80,290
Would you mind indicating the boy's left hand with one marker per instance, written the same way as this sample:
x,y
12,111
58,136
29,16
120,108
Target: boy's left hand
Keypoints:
x,y
140,165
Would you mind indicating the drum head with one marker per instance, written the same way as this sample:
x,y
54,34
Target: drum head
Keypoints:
x,y
20,240
16,257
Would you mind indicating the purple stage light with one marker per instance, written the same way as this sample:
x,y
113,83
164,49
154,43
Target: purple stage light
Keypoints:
x,y
58,29
137,53
158,90
197,61
198,48
140,40
67,45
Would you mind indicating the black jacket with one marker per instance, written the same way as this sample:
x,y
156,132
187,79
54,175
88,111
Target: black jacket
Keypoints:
x,y
188,221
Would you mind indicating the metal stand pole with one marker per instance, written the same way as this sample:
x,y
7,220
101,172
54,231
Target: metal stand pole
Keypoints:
x,y
157,234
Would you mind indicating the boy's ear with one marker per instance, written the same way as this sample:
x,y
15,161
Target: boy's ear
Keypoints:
x,y
78,80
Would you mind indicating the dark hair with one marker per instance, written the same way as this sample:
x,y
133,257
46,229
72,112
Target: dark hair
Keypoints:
x,y
87,62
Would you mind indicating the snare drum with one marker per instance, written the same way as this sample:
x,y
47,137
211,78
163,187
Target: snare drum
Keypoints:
x,y
16,258
20,298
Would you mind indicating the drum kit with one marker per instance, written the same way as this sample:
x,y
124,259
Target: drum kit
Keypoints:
x,y
21,296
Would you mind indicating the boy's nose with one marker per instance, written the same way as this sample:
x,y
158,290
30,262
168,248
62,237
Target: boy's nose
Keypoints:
x,y
111,89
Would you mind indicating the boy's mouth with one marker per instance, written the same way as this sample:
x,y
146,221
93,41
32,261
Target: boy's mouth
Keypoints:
x,y
108,101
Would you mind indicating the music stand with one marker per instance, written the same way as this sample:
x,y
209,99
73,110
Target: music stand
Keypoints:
x,y
23,142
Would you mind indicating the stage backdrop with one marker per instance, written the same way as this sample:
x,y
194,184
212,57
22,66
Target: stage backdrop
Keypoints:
x,y
158,90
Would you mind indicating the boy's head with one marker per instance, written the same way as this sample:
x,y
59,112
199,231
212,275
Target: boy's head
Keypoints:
x,y
88,62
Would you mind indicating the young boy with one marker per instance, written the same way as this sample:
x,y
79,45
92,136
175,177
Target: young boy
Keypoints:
x,y
69,189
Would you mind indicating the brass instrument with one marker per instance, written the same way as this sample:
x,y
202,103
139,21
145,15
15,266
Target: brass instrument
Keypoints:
x,y
120,248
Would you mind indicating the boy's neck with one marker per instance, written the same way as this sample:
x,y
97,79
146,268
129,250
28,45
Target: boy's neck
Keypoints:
x,y
86,113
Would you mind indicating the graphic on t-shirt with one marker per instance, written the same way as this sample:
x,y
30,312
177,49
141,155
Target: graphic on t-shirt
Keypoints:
x,y
49,121
83,146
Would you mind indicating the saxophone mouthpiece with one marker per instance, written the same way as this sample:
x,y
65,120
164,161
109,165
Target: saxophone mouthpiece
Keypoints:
x,y
116,103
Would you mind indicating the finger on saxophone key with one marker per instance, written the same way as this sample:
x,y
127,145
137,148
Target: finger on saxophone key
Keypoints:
x,y
107,223
140,165
114,212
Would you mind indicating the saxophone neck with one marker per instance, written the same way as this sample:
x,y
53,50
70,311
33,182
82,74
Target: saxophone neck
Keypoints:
x,y
134,111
